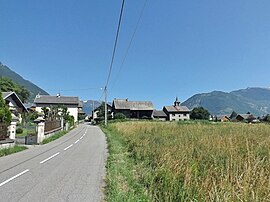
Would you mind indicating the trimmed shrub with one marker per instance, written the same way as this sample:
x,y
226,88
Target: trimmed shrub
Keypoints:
x,y
19,130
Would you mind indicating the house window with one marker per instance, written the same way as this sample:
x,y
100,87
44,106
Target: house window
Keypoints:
x,y
173,114
179,115
184,114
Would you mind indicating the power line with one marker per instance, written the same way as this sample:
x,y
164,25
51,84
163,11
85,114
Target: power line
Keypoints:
x,y
111,65
131,40
115,43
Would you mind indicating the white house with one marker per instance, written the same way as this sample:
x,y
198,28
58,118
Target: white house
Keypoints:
x,y
72,103
177,112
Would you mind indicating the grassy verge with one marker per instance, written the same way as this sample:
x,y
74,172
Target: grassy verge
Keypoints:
x,y
188,161
121,178
11,150
54,137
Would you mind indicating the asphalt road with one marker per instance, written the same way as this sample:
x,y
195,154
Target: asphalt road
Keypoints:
x,y
71,168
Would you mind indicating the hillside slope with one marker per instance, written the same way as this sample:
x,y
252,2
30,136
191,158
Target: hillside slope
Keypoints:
x,y
254,100
34,89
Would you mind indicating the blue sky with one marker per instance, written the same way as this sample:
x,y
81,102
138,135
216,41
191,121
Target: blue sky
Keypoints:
x,y
181,47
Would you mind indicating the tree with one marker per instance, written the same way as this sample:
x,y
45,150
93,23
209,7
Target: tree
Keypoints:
x,y
119,116
5,114
101,112
46,112
7,85
64,113
199,113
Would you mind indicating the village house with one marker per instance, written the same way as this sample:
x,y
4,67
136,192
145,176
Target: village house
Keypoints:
x,y
176,112
95,113
80,110
72,103
133,109
30,107
14,103
159,115
245,117
222,118
16,107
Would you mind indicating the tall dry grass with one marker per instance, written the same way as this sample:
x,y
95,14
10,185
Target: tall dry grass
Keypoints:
x,y
200,162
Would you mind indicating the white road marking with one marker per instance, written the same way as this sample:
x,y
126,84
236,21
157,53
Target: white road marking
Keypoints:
x,y
47,159
77,141
68,147
81,137
12,178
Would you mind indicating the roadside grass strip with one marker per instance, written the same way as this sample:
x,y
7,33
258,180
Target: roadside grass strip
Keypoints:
x,y
12,150
121,177
54,137
47,159
14,177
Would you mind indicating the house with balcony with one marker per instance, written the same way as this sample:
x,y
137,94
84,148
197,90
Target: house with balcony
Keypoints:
x,y
15,105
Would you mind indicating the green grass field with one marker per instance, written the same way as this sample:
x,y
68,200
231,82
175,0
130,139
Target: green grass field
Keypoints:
x,y
154,161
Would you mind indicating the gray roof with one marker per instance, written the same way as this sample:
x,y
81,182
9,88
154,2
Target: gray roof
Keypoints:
x,y
159,113
47,99
15,97
246,116
6,94
132,105
219,117
175,109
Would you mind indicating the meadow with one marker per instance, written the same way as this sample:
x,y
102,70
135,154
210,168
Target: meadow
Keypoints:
x,y
193,161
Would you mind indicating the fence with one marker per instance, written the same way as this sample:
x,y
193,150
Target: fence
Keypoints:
x,y
3,131
52,126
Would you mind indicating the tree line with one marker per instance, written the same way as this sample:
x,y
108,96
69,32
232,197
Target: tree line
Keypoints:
x,y
7,85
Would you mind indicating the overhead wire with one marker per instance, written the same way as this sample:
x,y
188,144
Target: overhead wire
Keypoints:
x,y
115,44
130,42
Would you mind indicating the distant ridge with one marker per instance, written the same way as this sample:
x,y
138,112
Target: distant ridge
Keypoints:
x,y
254,100
89,105
5,71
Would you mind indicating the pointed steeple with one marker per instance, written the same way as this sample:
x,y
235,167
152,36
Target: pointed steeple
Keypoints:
x,y
176,103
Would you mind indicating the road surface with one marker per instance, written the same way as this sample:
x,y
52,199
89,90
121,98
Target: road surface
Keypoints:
x,y
71,168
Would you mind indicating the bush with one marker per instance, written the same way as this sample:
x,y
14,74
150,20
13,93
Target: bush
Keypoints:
x,y
199,113
120,116
19,130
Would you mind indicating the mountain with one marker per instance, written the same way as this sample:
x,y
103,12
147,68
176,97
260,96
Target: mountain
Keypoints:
x,y
253,100
34,90
89,104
